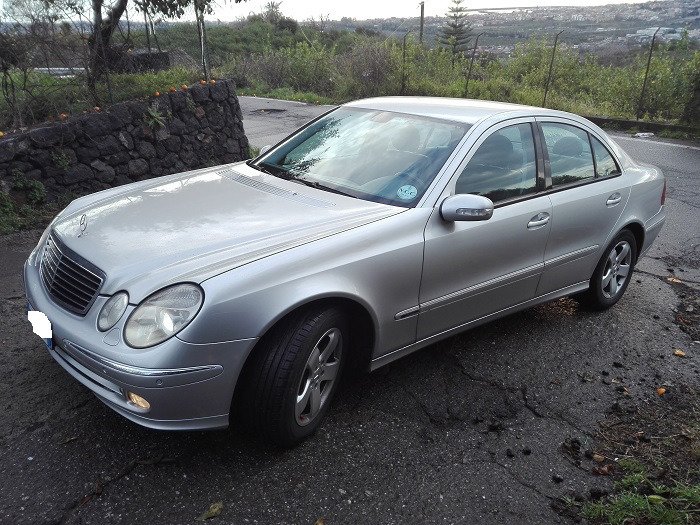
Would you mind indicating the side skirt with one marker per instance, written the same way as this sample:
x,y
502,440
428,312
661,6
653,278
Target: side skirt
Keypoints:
x,y
401,352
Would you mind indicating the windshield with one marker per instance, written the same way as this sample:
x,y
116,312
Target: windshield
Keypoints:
x,y
380,156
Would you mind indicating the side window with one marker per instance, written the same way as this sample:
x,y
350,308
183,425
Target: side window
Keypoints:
x,y
503,166
570,157
604,162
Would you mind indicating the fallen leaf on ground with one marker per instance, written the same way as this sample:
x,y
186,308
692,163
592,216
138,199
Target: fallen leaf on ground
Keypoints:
x,y
212,512
679,353
320,521
673,280
598,458
655,499
661,391
68,440
605,470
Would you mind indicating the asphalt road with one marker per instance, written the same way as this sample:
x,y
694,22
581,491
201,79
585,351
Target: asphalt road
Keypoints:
x,y
466,431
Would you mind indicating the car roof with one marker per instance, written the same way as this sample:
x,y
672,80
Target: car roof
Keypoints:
x,y
458,109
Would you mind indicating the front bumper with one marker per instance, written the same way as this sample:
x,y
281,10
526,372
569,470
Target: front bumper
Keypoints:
x,y
189,386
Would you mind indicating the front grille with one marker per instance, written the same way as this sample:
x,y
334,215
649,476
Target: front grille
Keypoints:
x,y
70,280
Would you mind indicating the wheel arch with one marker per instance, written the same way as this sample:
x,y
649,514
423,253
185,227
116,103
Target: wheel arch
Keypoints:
x,y
363,332
638,231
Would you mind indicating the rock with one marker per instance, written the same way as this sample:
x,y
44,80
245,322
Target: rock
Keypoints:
x,y
86,154
200,93
172,144
218,91
108,144
146,149
78,173
232,146
188,156
155,167
99,124
7,149
126,140
118,158
216,120
161,133
177,127
178,101
137,168
105,172
199,112
52,135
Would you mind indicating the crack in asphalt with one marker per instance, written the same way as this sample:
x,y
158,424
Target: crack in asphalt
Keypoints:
x,y
97,490
521,481
663,277
101,485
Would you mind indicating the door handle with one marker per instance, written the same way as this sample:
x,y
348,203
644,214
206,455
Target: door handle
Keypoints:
x,y
538,221
614,199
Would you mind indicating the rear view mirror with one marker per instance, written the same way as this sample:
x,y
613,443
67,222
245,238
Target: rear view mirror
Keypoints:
x,y
466,207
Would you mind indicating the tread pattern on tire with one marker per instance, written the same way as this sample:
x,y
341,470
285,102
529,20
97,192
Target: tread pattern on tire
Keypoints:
x,y
270,379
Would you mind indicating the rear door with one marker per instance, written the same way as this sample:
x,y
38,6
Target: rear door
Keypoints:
x,y
472,269
588,194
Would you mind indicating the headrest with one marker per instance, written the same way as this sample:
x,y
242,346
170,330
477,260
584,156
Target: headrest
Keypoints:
x,y
406,139
568,147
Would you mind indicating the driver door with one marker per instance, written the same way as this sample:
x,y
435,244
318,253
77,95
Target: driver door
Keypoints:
x,y
473,269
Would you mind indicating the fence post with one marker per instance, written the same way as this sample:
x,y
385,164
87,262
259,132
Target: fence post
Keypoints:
x,y
403,65
471,64
422,22
551,65
640,108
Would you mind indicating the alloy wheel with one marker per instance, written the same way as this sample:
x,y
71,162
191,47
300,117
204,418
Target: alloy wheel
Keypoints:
x,y
617,269
320,373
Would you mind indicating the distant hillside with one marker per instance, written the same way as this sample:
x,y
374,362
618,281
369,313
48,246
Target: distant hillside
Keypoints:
x,y
598,29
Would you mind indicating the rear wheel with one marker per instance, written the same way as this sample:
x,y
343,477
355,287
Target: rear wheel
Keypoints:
x,y
613,273
295,375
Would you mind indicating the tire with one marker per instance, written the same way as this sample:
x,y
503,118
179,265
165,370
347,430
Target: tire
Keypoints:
x,y
294,376
608,283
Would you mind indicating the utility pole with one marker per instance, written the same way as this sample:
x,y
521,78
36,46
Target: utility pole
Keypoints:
x,y
551,64
471,64
422,20
640,109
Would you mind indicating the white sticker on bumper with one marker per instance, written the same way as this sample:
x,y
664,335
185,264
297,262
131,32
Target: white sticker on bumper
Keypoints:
x,y
40,324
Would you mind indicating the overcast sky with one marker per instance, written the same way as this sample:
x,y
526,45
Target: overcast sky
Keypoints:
x,y
363,9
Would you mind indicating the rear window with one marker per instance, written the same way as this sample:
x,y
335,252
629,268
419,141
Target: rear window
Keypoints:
x,y
569,151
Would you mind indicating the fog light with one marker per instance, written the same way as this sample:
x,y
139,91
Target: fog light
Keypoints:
x,y
137,400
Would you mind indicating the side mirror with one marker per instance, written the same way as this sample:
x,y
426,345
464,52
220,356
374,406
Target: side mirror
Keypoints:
x,y
466,207
265,149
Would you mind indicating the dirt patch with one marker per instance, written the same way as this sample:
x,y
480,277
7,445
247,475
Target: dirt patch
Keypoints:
x,y
652,452
688,313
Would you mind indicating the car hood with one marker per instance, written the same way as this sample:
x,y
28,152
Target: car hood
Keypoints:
x,y
194,225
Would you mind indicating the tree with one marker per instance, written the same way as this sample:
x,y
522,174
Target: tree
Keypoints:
x,y
456,33
106,15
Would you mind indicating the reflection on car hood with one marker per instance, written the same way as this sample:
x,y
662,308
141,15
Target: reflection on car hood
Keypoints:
x,y
192,226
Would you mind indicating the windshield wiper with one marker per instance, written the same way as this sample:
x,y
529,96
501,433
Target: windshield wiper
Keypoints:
x,y
270,169
319,186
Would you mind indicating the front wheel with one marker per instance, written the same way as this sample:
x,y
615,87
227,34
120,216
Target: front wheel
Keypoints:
x,y
613,273
295,375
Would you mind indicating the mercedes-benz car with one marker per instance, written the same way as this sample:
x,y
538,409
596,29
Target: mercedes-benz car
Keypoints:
x,y
246,291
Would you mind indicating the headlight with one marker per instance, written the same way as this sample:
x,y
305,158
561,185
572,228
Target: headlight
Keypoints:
x,y
112,311
162,315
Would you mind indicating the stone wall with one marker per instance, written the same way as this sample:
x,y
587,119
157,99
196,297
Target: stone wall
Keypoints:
x,y
128,142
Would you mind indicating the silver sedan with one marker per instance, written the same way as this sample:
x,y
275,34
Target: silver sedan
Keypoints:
x,y
377,229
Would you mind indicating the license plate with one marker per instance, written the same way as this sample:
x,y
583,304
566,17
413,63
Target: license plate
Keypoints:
x,y
40,324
